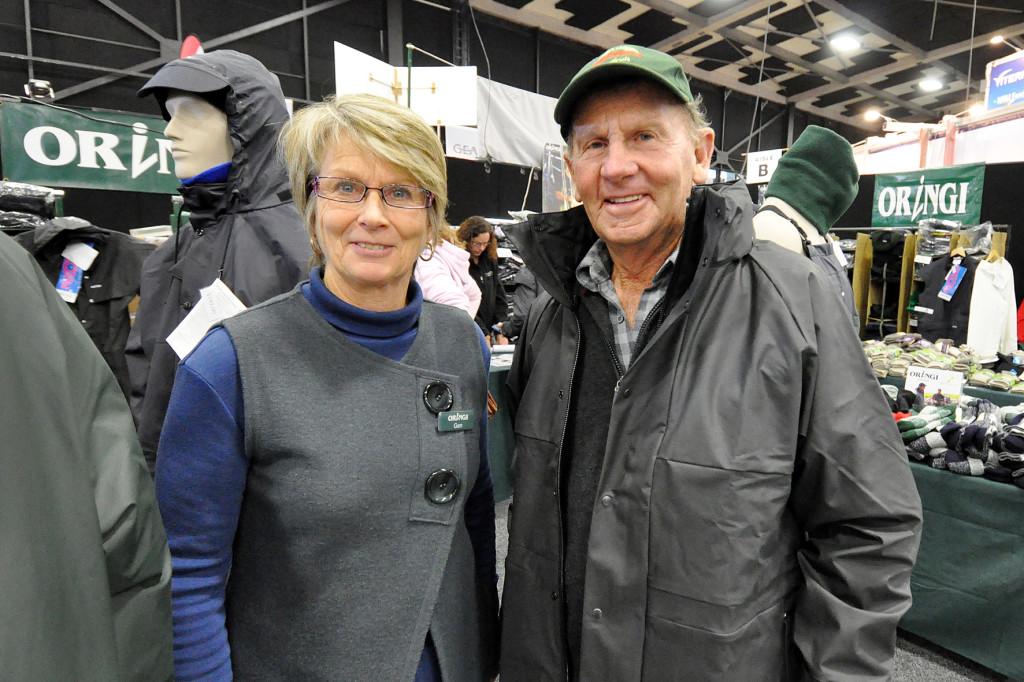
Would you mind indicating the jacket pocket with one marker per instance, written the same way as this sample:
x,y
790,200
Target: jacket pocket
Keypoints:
x,y
757,650
721,537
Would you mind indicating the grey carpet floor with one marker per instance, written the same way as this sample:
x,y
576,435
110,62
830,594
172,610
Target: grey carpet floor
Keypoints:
x,y
917,660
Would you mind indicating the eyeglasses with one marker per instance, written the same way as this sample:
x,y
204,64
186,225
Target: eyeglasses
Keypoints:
x,y
352,192
476,243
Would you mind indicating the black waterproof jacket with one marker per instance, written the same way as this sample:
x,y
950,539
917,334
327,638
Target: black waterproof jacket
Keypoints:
x,y
493,302
108,286
755,517
245,231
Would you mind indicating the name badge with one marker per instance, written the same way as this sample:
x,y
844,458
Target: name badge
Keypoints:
x,y
457,420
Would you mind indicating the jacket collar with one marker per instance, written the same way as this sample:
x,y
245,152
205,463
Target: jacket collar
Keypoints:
x,y
59,231
205,201
718,228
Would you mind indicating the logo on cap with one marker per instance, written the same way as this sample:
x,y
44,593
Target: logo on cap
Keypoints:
x,y
617,52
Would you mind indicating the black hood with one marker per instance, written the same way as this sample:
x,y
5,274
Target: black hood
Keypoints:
x,y
254,104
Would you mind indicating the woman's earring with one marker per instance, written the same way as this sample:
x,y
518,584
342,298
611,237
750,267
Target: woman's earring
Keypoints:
x,y
431,245
315,247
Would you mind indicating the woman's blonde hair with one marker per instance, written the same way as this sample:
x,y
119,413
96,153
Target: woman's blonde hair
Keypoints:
x,y
389,132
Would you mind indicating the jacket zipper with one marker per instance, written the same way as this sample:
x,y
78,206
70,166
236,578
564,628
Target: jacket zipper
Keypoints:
x,y
655,311
558,498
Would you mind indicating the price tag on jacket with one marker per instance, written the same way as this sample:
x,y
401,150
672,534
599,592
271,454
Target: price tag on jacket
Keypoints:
x,y
953,279
216,302
81,254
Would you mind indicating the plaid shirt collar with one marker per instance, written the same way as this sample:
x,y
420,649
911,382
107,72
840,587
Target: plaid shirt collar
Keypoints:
x,y
594,273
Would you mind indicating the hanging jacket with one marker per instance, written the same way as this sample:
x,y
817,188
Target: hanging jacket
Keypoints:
x,y
755,516
108,286
938,318
85,587
245,231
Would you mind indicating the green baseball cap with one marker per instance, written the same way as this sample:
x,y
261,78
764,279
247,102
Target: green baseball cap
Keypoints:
x,y
618,62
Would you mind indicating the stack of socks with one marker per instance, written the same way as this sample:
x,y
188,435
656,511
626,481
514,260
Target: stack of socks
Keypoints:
x,y
1007,463
981,377
930,418
1004,381
969,441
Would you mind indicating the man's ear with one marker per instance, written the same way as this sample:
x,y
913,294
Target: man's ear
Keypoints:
x,y
572,176
704,152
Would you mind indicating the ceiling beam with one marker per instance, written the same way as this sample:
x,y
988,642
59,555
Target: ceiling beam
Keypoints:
x,y
825,72
215,42
698,25
137,23
910,62
557,27
863,22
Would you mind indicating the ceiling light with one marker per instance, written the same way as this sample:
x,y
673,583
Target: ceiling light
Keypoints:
x,y
1000,40
977,109
930,84
872,115
845,43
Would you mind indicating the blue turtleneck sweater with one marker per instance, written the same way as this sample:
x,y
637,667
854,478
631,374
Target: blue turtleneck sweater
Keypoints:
x,y
202,468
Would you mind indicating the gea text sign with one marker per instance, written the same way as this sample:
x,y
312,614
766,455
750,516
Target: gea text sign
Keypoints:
x,y
66,148
953,193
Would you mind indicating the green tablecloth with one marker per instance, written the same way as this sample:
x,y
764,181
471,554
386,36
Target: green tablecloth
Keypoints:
x,y
968,585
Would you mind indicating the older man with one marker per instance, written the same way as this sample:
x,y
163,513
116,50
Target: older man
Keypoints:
x,y
709,485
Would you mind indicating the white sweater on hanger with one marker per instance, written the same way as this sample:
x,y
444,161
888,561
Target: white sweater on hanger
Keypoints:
x,y
993,319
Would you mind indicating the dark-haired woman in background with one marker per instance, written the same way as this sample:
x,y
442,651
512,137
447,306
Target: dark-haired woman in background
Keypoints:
x,y
478,236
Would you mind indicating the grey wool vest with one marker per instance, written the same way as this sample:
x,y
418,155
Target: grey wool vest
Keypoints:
x,y
341,563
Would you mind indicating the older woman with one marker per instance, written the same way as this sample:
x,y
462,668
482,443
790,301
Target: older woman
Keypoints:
x,y
477,234
329,446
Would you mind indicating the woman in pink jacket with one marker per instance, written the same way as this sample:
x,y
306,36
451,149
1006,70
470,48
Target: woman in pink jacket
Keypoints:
x,y
444,276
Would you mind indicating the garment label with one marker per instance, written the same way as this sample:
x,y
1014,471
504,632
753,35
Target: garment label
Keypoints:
x,y
81,254
840,256
69,282
458,420
922,259
216,302
923,310
953,279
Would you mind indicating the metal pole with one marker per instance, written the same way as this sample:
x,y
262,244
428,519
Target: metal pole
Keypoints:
x,y
408,67
28,40
305,49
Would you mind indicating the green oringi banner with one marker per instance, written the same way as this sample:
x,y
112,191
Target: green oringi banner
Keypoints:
x,y
951,193
59,148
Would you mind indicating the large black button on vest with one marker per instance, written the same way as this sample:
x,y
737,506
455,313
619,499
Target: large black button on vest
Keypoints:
x,y
437,396
442,486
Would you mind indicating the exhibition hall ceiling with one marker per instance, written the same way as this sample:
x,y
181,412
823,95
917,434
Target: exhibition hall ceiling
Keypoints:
x,y
782,50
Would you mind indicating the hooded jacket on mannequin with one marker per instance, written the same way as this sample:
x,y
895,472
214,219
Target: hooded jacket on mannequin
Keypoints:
x,y
244,230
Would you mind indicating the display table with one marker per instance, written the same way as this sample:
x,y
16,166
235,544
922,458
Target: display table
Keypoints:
x,y
968,584
999,398
501,442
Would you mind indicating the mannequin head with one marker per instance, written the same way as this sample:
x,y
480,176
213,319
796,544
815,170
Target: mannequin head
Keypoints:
x,y
198,132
